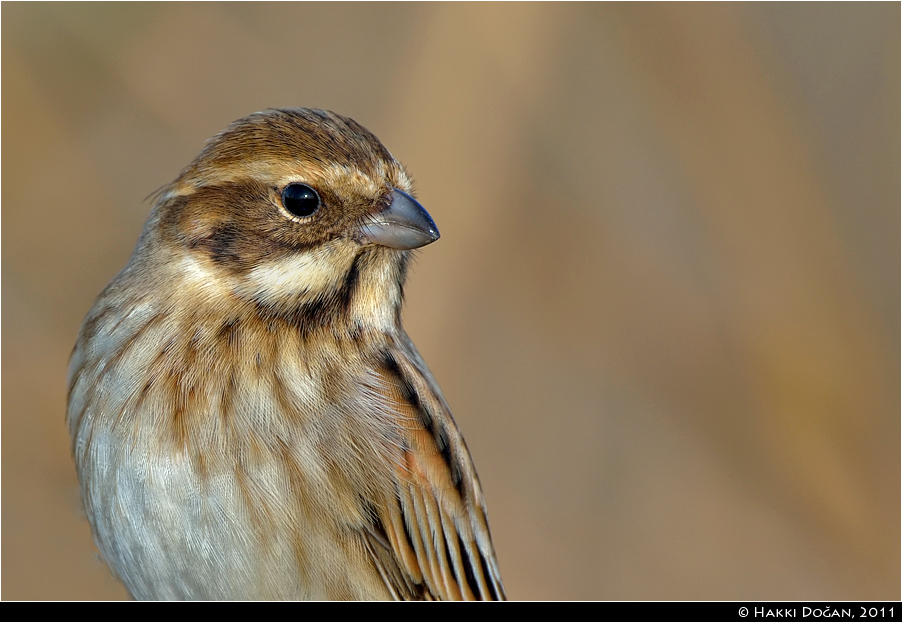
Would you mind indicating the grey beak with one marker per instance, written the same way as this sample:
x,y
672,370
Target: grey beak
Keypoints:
x,y
404,224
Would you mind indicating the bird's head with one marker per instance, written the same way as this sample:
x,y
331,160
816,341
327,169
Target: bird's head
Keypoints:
x,y
302,214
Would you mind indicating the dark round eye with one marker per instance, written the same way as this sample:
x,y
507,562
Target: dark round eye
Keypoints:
x,y
300,200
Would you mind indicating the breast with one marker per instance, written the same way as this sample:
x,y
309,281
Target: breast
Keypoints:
x,y
206,478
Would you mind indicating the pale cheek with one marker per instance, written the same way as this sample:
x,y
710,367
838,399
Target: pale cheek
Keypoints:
x,y
306,275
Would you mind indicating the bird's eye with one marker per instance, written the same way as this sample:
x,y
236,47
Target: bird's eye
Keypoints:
x,y
300,200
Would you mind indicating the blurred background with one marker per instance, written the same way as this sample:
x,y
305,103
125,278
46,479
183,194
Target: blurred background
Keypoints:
x,y
665,304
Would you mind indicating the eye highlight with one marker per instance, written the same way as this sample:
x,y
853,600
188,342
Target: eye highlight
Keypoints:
x,y
300,200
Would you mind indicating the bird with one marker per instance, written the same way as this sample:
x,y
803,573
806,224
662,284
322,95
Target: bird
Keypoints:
x,y
249,420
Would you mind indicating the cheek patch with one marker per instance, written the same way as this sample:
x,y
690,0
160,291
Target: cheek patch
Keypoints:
x,y
301,276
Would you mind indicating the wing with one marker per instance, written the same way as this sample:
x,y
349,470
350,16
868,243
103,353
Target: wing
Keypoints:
x,y
432,541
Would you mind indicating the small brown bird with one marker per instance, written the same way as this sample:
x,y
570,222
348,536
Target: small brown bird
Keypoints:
x,y
248,417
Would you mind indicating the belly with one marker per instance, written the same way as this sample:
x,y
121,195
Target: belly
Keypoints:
x,y
181,529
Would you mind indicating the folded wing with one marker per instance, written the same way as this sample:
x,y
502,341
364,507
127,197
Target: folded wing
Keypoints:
x,y
432,541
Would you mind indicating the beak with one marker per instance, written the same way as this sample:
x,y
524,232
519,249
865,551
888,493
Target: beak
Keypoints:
x,y
403,225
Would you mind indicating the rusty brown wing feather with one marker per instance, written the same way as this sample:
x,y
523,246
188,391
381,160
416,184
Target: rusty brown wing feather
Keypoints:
x,y
432,540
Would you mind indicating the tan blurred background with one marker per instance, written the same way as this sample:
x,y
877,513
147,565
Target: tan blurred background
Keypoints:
x,y
665,305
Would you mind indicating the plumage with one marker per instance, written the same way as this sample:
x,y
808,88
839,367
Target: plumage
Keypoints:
x,y
249,419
